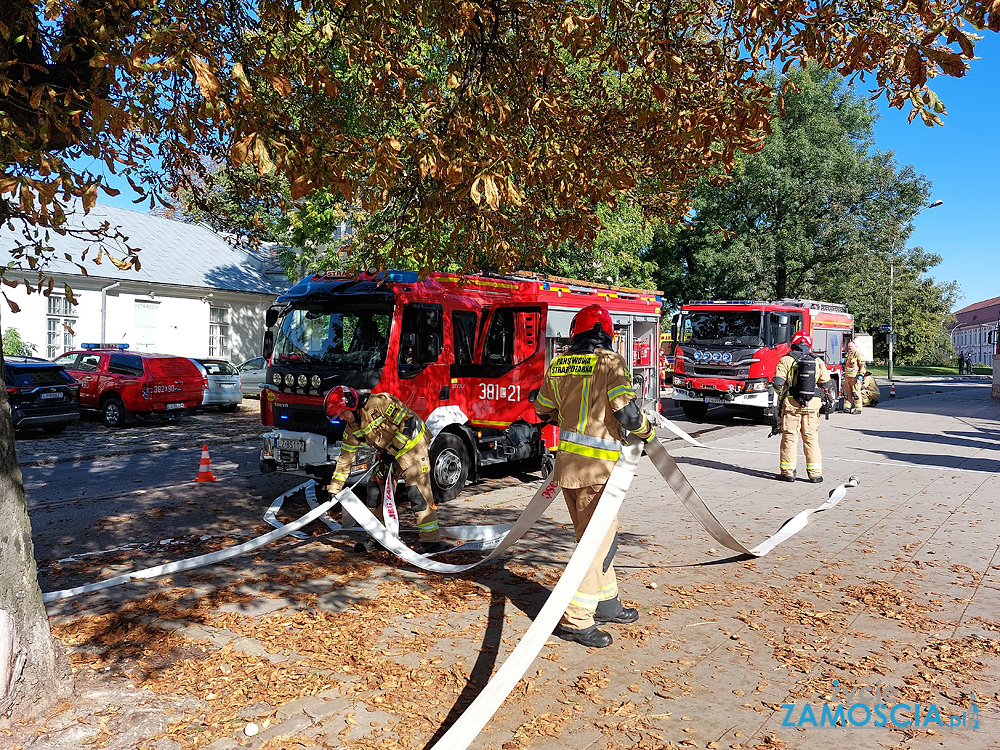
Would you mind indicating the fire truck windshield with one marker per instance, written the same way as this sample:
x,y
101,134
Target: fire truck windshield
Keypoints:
x,y
722,328
349,338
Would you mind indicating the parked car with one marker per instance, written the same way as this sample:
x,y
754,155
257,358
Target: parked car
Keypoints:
x,y
253,373
121,385
221,384
41,394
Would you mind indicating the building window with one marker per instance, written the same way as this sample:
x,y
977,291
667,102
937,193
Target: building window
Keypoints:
x,y
218,332
145,325
60,322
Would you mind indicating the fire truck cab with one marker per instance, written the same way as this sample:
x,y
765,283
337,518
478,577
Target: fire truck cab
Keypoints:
x,y
726,352
466,353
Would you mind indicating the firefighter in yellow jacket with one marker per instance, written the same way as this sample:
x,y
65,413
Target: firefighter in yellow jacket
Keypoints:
x,y
796,378
588,394
387,424
854,376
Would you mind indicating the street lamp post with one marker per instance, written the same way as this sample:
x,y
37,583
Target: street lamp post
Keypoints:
x,y
892,329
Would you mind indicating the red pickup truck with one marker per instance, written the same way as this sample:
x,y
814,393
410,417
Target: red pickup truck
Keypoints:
x,y
121,384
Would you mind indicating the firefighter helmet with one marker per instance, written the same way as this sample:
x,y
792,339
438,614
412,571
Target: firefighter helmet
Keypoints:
x,y
339,398
803,338
590,317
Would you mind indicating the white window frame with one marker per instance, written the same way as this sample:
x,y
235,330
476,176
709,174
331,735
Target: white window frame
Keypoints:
x,y
60,316
219,344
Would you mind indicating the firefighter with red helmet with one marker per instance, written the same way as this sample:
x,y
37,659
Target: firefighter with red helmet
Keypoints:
x,y
588,394
387,424
798,375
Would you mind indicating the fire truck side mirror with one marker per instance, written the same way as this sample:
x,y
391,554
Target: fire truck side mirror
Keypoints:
x,y
428,347
271,317
784,334
267,345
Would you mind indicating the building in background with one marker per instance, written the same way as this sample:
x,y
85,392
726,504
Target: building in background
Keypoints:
x,y
196,294
975,330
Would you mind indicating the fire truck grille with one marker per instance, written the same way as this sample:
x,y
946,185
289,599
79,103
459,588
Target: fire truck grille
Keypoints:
x,y
717,372
304,419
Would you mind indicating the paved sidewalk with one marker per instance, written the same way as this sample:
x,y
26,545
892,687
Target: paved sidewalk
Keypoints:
x,y
897,589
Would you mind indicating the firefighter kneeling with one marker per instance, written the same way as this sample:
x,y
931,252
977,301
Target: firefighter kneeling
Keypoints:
x,y
387,424
588,393
796,379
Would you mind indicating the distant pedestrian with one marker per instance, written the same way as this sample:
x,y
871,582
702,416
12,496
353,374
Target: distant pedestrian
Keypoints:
x,y
961,362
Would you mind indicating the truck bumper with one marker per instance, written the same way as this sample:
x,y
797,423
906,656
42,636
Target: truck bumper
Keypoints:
x,y
307,454
754,400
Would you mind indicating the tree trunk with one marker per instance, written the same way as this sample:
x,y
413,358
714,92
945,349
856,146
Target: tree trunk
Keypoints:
x,y
34,669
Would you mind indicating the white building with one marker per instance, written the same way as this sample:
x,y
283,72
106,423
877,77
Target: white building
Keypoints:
x,y
975,330
195,295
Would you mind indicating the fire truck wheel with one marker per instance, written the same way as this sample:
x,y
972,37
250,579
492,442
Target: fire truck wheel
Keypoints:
x,y
113,412
449,466
695,409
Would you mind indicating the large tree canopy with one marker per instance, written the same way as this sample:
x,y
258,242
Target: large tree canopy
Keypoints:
x,y
476,132
496,128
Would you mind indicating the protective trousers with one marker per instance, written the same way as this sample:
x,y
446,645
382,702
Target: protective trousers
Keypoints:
x,y
414,467
796,419
599,584
852,391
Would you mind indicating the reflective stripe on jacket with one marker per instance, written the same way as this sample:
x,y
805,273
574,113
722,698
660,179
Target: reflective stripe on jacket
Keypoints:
x,y
580,394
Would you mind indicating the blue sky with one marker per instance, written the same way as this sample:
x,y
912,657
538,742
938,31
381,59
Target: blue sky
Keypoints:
x,y
962,161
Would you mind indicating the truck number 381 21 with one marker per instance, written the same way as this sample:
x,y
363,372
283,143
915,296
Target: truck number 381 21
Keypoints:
x,y
495,392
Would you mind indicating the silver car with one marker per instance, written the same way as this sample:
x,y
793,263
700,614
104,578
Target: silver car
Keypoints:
x,y
253,372
221,384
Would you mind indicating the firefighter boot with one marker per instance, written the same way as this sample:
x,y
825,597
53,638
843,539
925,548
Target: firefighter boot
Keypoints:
x,y
426,548
367,545
590,637
611,610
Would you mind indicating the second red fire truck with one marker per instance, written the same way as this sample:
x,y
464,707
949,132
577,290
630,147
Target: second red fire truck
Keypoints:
x,y
726,352
466,353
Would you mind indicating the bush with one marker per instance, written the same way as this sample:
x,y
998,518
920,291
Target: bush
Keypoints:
x,y
15,346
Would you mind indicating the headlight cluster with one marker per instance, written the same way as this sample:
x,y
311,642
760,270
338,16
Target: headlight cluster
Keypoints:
x,y
301,381
717,357
756,387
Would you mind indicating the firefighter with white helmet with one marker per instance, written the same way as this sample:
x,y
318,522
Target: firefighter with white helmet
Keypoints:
x,y
588,394
797,377
854,375
384,422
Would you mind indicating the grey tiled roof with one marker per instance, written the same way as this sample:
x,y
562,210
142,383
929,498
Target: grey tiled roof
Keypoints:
x,y
172,252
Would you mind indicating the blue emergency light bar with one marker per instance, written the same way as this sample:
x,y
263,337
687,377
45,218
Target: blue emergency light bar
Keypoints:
x,y
104,346
724,302
405,277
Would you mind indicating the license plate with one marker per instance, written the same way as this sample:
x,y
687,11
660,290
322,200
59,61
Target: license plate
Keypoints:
x,y
290,444
175,406
714,400
228,385
51,395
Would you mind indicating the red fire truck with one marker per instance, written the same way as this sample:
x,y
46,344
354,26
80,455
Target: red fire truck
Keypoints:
x,y
726,352
466,353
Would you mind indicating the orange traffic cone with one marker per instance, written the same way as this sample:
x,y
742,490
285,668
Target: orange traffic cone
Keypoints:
x,y
892,390
205,469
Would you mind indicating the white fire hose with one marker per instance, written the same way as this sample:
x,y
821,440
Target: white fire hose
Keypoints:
x,y
500,539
